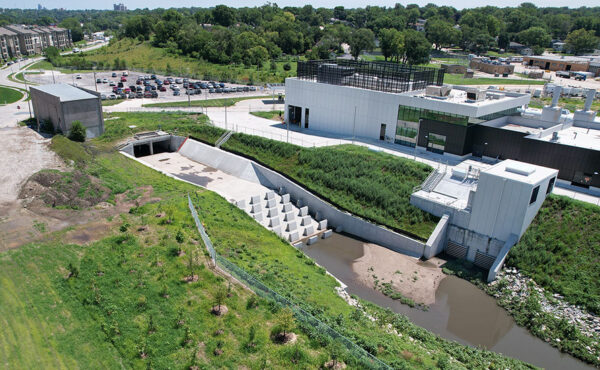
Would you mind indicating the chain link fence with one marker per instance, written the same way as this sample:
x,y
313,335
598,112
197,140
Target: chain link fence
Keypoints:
x,y
313,325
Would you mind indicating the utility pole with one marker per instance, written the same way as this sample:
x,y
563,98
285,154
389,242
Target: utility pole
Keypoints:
x,y
225,116
27,91
95,81
187,91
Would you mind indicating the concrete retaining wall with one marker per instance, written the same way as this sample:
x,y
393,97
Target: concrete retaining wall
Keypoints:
x,y
437,241
251,171
499,262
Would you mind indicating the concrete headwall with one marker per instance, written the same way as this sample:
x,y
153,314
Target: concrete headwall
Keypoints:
x,y
437,241
319,209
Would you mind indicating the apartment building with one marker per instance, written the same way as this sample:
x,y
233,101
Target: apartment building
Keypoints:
x,y
29,41
9,44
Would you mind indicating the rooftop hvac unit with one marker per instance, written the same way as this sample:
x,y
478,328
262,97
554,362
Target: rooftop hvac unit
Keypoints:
x,y
554,136
437,91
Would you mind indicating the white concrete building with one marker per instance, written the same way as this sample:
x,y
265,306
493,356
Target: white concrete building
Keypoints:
x,y
489,210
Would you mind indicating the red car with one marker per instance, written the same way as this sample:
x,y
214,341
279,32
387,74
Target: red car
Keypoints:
x,y
123,79
127,90
147,94
115,89
139,82
166,82
162,88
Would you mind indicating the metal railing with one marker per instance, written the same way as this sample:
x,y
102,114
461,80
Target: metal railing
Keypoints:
x,y
307,320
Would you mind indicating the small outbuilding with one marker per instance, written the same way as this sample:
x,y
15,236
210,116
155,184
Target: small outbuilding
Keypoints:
x,y
63,104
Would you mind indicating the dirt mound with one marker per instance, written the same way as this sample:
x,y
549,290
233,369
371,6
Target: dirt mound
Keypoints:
x,y
74,190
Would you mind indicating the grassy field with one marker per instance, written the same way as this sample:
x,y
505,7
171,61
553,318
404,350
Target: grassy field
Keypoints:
x,y
125,300
44,65
9,95
275,115
223,102
375,186
142,56
560,250
571,104
456,79
108,103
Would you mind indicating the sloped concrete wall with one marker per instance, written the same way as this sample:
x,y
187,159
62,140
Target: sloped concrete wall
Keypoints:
x,y
437,241
251,171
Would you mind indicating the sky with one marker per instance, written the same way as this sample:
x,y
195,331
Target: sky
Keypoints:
x,y
133,4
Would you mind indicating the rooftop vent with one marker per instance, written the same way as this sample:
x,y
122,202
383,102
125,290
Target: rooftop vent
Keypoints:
x,y
520,169
437,91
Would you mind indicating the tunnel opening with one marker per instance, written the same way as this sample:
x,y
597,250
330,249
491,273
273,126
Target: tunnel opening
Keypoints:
x,y
162,146
141,150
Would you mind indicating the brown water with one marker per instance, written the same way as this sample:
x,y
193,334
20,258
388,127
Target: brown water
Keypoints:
x,y
462,312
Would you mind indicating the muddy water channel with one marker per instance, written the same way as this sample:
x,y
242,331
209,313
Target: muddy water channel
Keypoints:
x,y
461,312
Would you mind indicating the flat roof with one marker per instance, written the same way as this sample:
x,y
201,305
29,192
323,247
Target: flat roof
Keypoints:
x,y
519,171
576,136
6,31
65,92
557,58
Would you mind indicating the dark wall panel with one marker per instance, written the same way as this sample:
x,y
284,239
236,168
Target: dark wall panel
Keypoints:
x,y
456,135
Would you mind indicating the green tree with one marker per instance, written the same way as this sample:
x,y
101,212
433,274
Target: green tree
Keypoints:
x,y
581,41
537,38
220,298
391,42
285,320
77,132
417,47
52,54
361,39
223,15
75,27
440,33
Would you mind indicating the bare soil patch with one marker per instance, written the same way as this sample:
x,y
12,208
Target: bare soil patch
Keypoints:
x,y
219,310
412,278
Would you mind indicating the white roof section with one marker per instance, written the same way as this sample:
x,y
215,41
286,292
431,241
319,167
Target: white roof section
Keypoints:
x,y
560,58
576,136
65,92
519,171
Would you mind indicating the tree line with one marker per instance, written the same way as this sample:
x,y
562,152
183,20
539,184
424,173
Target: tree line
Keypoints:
x,y
252,36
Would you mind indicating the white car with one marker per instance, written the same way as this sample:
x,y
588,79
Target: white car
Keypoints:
x,y
78,77
125,73
112,97
112,83
105,80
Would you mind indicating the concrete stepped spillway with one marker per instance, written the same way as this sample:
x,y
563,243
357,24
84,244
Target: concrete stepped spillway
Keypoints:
x,y
277,213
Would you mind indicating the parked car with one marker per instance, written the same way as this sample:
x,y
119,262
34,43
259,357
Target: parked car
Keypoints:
x,y
203,85
139,82
189,92
120,84
112,83
131,95
148,88
147,94
139,88
178,80
103,96
252,88
112,97
146,83
153,77
167,82
123,79
170,79
176,93
154,94
127,90
125,73
98,80
132,87
162,88
105,80
219,90
153,87
114,74
139,95
221,84
186,80
211,90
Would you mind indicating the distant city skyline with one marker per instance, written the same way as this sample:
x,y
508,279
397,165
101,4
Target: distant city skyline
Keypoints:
x,y
135,4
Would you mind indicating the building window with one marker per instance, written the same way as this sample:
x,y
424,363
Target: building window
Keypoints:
x,y
550,185
436,143
406,133
534,194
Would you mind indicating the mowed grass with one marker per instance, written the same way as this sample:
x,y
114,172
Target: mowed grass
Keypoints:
x,y
108,103
571,104
275,115
9,95
371,185
457,79
560,250
142,56
222,102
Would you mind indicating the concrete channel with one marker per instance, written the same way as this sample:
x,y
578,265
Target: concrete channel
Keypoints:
x,y
461,312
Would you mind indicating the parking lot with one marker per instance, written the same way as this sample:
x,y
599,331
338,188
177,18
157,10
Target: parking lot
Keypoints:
x,y
147,88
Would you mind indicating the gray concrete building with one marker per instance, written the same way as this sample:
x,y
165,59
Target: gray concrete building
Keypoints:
x,y
62,104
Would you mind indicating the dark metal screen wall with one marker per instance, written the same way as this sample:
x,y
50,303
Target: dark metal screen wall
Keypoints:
x,y
379,76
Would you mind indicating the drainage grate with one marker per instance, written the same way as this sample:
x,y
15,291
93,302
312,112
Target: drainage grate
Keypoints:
x,y
456,250
484,260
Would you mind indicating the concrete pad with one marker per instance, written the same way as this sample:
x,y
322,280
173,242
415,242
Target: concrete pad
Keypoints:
x,y
287,208
256,208
327,234
255,199
291,226
285,198
322,225
309,230
312,240
241,204
303,212
289,216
